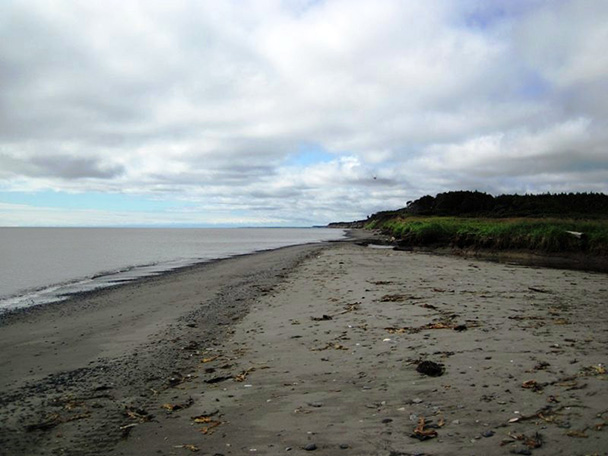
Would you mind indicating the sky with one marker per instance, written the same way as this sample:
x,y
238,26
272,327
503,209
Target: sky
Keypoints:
x,y
292,112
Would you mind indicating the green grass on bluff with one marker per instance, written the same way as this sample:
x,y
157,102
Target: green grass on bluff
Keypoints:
x,y
545,235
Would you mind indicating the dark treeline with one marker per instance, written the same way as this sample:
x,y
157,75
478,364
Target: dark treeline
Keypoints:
x,y
479,204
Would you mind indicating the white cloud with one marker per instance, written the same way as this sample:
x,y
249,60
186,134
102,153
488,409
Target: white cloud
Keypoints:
x,y
494,153
204,102
565,41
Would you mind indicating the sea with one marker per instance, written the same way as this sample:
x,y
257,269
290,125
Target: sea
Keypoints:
x,y
43,265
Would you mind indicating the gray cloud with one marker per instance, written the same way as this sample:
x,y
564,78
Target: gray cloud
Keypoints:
x,y
75,168
61,167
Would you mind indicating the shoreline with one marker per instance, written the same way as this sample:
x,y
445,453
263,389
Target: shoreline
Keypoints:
x,y
35,291
214,270
9,314
306,329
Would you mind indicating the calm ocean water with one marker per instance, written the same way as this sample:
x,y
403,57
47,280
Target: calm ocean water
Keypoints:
x,y
39,265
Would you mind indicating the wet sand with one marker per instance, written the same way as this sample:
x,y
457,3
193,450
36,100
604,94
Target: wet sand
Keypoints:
x,y
316,349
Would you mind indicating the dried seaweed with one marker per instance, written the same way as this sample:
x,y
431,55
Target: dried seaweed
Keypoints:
x,y
396,298
243,375
534,441
533,385
138,414
205,417
421,433
181,406
210,359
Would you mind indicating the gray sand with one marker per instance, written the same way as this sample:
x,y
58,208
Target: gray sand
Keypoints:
x,y
70,372
326,359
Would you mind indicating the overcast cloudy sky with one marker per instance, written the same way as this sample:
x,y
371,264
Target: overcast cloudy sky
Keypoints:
x,y
293,112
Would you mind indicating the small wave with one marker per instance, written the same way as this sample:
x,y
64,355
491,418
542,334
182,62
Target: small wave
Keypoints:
x,y
106,279
157,251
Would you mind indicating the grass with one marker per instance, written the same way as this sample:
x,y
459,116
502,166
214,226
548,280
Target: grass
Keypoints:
x,y
545,235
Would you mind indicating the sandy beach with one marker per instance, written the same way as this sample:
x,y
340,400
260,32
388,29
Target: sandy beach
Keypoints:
x,y
331,349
